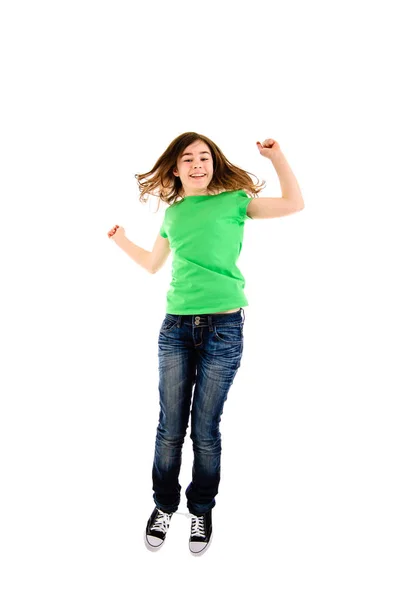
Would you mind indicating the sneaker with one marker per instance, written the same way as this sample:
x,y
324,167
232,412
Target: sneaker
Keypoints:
x,y
156,529
201,534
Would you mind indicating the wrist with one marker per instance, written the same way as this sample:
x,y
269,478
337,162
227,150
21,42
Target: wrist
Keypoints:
x,y
278,156
120,239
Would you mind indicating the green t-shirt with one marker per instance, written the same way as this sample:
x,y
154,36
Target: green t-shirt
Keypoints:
x,y
205,235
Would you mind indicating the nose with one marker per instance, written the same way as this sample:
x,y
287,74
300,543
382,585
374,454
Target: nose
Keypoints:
x,y
197,164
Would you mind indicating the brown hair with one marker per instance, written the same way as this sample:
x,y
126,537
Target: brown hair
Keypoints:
x,y
161,182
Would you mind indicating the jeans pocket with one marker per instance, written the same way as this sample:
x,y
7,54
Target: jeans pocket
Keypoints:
x,y
229,334
168,323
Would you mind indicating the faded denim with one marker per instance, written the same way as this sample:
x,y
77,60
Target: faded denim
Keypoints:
x,y
201,353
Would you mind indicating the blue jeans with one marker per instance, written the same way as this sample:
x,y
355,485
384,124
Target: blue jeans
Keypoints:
x,y
203,351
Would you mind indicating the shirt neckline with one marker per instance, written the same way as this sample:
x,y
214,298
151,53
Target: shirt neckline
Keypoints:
x,y
205,195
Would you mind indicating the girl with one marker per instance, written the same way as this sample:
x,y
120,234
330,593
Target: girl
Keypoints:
x,y
200,341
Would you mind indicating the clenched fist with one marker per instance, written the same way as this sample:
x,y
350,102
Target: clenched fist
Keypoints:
x,y
116,232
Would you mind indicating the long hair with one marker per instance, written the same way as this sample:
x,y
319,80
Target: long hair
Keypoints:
x,y
161,182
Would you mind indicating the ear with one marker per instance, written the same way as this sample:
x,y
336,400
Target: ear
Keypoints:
x,y
175,172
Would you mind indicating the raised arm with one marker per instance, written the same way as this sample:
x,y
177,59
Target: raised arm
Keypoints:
x,y
291,200
150,261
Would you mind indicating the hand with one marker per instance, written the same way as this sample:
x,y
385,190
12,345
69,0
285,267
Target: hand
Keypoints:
x,y
269,148
116,233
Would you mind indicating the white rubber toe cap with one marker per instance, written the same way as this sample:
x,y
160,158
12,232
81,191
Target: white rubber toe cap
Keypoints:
x,y
152,542
198,548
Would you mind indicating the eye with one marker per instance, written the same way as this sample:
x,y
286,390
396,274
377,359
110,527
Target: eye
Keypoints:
x,y
189,159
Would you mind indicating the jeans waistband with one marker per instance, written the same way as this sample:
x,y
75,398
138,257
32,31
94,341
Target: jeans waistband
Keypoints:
x,y
210,319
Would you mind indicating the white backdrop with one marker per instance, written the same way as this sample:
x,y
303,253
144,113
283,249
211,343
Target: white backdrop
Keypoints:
x,y
95,92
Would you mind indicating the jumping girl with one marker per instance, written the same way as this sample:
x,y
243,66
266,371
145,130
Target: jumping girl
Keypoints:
x,y
200,340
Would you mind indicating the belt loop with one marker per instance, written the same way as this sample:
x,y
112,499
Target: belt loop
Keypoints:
x,y
179,321
210,323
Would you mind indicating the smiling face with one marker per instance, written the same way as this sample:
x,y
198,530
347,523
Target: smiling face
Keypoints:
x,y
195,169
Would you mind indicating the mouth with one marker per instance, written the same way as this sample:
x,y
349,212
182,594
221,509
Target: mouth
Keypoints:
x,y
198,176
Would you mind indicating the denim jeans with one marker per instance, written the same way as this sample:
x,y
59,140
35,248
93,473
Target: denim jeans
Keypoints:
x,y
200,352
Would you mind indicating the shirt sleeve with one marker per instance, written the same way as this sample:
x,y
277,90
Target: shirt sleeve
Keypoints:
x,y
162,229
244,201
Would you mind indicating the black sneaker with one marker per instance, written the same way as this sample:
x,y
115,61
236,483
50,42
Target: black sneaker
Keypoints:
x,y
201,534
156,529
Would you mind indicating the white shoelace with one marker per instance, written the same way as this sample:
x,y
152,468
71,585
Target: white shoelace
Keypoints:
x,y
162,522
198,526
